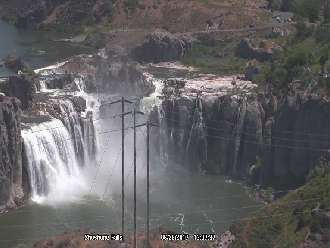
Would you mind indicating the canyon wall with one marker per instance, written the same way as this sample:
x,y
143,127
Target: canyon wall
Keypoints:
x,y
266,139
13,177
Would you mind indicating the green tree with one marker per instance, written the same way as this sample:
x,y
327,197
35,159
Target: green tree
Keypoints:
x,y
308,8
275,4
298,56
323,60
302,30
326,11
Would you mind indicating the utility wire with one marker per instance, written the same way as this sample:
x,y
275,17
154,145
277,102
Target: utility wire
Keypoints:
x,y
220,137
245,127
248,127
98,167
260,144
195,199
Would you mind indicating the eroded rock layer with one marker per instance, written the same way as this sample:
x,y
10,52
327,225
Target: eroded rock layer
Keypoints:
x,y
224,126
13,181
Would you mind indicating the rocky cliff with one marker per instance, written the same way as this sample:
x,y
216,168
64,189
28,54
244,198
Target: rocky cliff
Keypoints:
x,y
221,126
162,46
110,71
13,177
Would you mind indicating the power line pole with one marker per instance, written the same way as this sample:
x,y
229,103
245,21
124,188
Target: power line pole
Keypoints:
x,y
122,101
148,124
122,166
134,130
148,185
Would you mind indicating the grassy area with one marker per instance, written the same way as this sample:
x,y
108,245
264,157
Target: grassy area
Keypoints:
x,y
218,59
305,57
287,221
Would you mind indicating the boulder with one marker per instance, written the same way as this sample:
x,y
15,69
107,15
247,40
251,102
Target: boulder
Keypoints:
x,y
96,40
161,46
249,49
251,70
102,8
15,63
24,88
79,103
59,81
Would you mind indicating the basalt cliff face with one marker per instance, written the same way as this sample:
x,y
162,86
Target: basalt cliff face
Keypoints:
x,y
269,140
13,177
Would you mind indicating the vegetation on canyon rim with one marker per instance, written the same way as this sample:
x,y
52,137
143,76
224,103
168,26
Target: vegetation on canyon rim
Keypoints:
x,y
304,56
292,219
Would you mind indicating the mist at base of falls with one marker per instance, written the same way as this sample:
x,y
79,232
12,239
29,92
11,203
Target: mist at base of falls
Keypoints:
x,y
105,175
65,167
91,199
75,172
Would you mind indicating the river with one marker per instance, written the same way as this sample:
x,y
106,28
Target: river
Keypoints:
x,y
188,203
180,201
35,47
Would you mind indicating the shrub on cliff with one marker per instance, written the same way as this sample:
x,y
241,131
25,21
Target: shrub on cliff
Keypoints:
x,y
292,221
307,8
297,56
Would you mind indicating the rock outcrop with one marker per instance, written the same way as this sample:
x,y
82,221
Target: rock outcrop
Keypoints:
x,y
59,81
13,182
110,71
161,46
261,51
24,88
14,63
269,140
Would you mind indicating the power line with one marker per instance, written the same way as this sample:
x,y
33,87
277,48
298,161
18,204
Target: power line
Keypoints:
x,y
212,128
98,167
110,174
67,118
261,144
248,133
195,199
249,127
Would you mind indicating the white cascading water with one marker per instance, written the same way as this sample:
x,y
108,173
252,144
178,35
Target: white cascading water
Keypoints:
x,y
82,156
52,165
58,151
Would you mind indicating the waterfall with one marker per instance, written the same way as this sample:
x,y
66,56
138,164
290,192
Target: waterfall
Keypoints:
x,y
52,165
57,150
72,122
